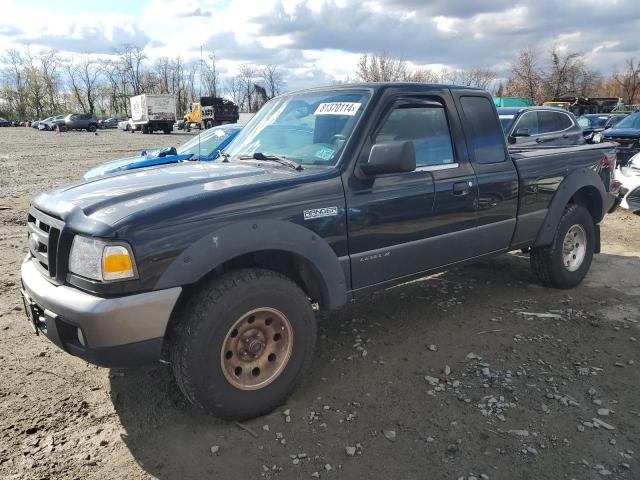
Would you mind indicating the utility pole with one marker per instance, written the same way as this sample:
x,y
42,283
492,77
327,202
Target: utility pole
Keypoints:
x,y
201,71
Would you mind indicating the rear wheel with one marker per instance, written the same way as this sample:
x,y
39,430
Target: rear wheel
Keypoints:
x,y
91,128
243,343
565,262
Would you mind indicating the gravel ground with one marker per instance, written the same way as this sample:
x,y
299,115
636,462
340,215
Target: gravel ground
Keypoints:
x,y
454,376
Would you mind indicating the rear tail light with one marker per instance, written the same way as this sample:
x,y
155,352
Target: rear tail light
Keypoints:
x,y
615,184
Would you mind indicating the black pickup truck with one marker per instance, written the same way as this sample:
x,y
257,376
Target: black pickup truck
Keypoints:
x,y
326,195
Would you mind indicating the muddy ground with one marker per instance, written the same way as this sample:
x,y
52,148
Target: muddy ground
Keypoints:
x,y
555,396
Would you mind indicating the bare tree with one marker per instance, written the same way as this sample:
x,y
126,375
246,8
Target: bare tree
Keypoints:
x,y
629,81
210,75
132,58
381,67
247,77
526,76
272,79
235,90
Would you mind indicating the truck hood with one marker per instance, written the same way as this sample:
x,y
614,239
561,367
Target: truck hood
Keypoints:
x,y
97,205
622,132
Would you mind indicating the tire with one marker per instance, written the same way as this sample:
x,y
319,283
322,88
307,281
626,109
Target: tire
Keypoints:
x,y
549,263
91,128
206,325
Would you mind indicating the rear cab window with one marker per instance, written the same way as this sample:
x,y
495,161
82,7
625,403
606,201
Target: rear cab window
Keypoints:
x,y
484,132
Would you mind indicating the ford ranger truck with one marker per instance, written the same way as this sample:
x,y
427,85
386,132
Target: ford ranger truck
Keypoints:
x,y
325,196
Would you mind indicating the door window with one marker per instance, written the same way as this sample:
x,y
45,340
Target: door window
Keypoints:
x,y
549,122
529,121
424,125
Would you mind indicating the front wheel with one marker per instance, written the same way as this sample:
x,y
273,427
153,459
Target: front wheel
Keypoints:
x,y
565,262
243,343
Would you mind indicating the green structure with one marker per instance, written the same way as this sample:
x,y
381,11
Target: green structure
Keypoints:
x,y
512,102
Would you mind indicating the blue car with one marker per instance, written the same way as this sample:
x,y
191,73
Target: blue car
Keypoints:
x,y
201,147
627,134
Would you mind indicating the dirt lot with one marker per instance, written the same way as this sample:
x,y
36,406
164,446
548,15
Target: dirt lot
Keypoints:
x,y
525,396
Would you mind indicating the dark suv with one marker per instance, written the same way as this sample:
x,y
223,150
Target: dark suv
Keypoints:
x,y
531,126
81,121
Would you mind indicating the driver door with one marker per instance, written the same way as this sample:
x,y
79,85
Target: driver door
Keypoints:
x,y
401,224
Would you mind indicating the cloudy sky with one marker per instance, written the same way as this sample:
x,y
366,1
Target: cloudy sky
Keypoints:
x,y
317,41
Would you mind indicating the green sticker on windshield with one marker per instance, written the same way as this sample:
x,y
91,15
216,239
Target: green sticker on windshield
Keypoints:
x,y
325,153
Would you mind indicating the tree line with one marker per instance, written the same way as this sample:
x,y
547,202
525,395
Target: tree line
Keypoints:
x,y
46,83
537,76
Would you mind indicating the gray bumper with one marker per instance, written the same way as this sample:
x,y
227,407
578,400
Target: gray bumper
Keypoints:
x,y
131,326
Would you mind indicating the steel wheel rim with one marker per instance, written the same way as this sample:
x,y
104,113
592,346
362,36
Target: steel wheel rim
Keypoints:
x,y
256,349
574,248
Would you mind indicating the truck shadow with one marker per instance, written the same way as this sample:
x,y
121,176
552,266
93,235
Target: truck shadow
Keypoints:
x,y
169,439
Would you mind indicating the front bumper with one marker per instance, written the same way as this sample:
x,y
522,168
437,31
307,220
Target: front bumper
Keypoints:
x,y
111,332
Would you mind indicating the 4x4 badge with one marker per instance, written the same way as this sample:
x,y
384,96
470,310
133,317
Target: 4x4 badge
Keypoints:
x,y
320,212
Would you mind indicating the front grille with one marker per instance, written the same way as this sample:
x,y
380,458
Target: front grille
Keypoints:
x,y
43,237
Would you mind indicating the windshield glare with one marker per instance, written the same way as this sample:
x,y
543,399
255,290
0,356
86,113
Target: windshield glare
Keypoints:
x,y
309,128
206,143
506,121
632,121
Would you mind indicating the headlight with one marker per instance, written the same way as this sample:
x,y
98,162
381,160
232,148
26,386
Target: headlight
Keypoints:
x,y
100,260
597,138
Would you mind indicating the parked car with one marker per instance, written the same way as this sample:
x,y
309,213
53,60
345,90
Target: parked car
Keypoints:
x,y
626,134
126,125
52,123
111,122
326,195
547,126
37,122
203,147
592,124
4,122
81,121
629,178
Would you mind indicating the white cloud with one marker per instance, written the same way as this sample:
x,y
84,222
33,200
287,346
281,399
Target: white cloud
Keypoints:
x,y
320,40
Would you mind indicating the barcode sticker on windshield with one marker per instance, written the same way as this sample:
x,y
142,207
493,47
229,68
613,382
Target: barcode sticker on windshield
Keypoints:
x,y
337,108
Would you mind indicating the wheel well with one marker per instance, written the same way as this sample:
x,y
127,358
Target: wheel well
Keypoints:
x,y
297,268
589,197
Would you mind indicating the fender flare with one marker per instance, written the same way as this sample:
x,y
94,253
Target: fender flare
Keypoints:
x,y
583,177
245,237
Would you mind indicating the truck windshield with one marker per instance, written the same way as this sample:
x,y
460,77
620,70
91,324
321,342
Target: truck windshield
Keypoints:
x,y
310,128
632,121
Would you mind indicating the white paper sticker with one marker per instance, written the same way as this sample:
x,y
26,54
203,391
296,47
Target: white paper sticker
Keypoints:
x,y
338,108
219,133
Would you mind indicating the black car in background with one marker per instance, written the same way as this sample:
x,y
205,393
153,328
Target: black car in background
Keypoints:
x,y
111,122
4,122
626,134
597,122
534,126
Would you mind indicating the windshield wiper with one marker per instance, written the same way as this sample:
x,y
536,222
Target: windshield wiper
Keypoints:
x,y
273,158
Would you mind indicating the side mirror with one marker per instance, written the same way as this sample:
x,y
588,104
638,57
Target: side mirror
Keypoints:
x,y
522,132
392,157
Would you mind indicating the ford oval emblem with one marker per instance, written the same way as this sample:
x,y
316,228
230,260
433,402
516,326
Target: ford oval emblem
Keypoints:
x,y
33,243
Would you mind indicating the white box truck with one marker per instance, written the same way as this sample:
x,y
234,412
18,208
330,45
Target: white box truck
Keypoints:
x,y
153,112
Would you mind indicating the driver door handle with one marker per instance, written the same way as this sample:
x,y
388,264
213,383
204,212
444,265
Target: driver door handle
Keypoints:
x,y
460,189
